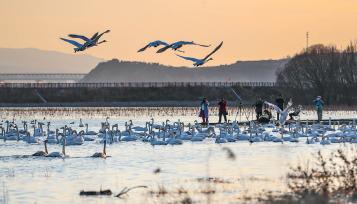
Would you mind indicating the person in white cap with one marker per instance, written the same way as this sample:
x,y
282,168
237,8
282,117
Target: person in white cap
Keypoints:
x,y
319,104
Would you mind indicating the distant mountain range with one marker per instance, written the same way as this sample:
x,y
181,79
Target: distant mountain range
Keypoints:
x,y
245,71
29,60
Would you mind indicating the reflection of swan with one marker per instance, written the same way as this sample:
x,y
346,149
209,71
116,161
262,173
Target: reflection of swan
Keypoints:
x,y
42,153
199,62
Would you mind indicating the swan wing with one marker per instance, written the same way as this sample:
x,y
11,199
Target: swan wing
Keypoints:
x,y
100,35
215,50
290,105
78,36
75,43
94,36
144,48
189,58
162,43
201,45
164,49
277,109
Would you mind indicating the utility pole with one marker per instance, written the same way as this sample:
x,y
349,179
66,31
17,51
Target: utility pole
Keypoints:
x,y
307,41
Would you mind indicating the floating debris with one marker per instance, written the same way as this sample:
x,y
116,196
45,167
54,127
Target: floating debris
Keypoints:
x,y
96,193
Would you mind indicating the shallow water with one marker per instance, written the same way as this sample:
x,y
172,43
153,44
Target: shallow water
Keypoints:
x,y
258,166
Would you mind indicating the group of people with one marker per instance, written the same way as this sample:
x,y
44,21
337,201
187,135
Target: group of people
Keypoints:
x,y
265,116
262,116
222,111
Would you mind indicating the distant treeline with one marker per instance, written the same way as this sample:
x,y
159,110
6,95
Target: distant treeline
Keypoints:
x,y
321,70
182,95
127,94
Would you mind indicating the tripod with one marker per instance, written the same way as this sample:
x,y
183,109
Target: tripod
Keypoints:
x,y
239,111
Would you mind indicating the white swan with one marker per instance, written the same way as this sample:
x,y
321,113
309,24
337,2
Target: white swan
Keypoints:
x,y
283,113
59,154
30,139
80,123
89,132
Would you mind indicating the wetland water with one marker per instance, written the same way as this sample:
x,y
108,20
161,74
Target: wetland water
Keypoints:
x,y
257,167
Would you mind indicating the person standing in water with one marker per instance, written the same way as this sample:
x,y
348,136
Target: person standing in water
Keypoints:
x,y
204,111
319,105
280,103
222,110
259,108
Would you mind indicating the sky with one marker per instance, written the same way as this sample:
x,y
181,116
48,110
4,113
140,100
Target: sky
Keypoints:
x,y
250,29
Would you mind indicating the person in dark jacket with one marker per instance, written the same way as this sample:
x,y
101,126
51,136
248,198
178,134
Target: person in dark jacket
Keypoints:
x,y
280,103
222,110
259,108
319,105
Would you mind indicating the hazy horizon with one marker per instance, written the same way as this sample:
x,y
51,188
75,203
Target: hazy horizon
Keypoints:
x,y
253,30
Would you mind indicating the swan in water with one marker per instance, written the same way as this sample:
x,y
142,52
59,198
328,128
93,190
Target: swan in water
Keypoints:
x,y
154,141
12,134
52,137
173,140
199,62
325,141
220,139
128,135
59,154
42,153
104,153
89,132
80,123
74,138
153,44
177,45
283,113
30,139
197,137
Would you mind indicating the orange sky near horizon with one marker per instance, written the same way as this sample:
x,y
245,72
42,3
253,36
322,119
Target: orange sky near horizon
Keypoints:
x,y
254,29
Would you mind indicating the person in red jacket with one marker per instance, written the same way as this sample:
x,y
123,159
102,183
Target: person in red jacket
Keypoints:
x,y
222,110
